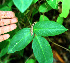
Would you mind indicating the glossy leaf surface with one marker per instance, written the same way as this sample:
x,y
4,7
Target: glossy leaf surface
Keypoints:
x,y
42,50
20,40
22,5
48,28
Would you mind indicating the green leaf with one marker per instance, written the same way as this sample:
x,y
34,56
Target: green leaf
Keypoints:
x,y
60,20
6,6
4,47
43,18
30,61
65,8
4,51
53,3
48,28
10,3
34,1
42,50
45,7
22,5
20,40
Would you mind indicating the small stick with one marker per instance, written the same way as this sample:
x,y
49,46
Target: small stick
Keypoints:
x,y
60,46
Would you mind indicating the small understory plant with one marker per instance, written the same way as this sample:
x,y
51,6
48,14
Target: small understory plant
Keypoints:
x,y
41,47
43,28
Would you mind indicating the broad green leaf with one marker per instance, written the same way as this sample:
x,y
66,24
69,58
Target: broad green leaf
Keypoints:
x,y
22,5
48,28
45,7
30,61
65,8
60,20
42,50
43,18
34,1
20,40
53,3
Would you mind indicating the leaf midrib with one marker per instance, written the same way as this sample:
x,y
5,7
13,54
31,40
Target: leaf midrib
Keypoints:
x,y
19,41
41,48
49,29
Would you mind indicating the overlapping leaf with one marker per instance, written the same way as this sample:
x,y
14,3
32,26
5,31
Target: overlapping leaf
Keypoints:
x,y
48,28
34,1
45,7
20,40
42,50
60,20
53,3
43,18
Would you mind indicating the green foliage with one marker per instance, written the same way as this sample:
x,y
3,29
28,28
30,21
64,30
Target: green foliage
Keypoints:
x,y
20,40
44,7
4,48
65,6
42,50
4,44
34,1
4,51
53,3
41,47
10,3
43,18
31,61
48,28
60,20
22,5
7,6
